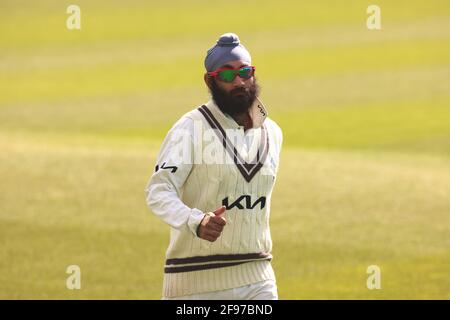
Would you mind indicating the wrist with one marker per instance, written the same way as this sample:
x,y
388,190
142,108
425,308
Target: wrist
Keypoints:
x,y
195,220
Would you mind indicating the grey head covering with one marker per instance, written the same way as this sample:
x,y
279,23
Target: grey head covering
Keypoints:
x,y
227,48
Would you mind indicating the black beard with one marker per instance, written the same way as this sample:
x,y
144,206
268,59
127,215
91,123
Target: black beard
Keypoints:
x,y
232,104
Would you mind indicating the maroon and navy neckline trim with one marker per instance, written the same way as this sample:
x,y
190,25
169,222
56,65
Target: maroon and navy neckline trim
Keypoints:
x,y
248,170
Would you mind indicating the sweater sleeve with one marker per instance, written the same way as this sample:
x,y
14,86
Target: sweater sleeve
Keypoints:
x,y
173,166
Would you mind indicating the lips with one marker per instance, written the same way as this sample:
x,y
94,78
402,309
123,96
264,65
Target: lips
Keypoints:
x,y
240,93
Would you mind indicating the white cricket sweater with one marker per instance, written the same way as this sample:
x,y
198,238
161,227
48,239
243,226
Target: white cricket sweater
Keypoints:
x,y
206,161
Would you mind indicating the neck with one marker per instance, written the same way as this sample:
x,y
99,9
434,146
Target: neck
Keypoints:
x,y
243,119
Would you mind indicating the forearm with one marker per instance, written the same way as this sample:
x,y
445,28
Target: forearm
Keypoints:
x,y
165,203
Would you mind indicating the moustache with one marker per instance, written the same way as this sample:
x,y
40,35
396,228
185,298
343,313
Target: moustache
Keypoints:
x,y
240,90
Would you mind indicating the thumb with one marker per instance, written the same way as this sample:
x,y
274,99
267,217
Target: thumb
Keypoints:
x,y
220,211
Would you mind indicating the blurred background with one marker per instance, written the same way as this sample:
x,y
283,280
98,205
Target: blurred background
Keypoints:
x,y
365,171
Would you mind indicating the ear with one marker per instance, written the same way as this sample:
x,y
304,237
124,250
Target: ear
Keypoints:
x,y
207,79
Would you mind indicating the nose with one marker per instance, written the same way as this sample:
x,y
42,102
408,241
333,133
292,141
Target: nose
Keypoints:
x,y
238,82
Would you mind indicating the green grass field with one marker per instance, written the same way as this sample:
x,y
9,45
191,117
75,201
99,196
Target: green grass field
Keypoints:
x,y
365,170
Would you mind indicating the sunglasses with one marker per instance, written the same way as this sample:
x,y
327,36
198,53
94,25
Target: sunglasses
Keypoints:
x,y
228,75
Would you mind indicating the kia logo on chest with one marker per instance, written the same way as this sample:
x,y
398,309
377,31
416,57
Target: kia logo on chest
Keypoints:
x,y
244,202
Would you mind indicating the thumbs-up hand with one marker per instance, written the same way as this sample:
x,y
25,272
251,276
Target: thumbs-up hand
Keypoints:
x,y
220,211
212,225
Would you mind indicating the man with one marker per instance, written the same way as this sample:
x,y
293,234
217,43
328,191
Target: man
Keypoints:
x,y
213,183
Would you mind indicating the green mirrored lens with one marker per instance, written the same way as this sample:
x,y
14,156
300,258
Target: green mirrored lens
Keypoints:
x,y
227,75
245,73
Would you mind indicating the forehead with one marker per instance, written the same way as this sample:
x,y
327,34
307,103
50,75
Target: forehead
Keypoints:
x,y
235,64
